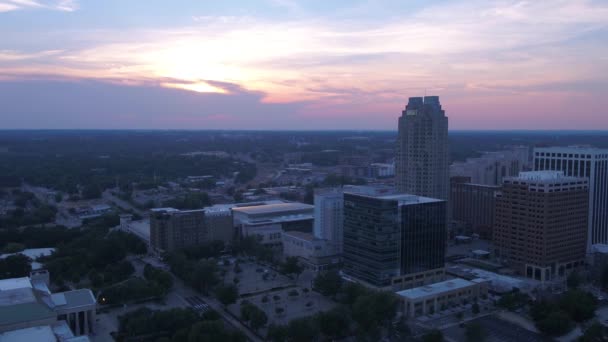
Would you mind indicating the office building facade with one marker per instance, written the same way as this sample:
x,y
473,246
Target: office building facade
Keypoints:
x,y
422,149
473,205
492,167
329,216
393,240
269,221
591,163
541,223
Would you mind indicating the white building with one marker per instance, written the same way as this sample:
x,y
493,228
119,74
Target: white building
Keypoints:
x,y
317,254
57,332
27,302
329,216
382,170
437,297
591,163
268,221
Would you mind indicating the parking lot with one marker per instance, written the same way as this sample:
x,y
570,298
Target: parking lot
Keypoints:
x,y
495,330
285,305
255,278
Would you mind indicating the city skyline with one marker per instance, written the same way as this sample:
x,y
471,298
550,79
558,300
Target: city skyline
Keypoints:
x,y
282,64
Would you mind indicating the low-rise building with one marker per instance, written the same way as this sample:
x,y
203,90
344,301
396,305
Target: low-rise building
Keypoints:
x,y
433,298
382,170
316,254
27,302
93,211
269,220
58,332
172,229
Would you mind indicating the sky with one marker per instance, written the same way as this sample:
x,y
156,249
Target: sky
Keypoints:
x,y
314,64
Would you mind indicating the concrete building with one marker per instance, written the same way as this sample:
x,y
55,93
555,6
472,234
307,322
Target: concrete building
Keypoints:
x,y
329,216
27,302
492,167
58,332
591,163
316,254
437,297
172,229
541,223
269,221
93,211
422,149
393,240
473,204
382,170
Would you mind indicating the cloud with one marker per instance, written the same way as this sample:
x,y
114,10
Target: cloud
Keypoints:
x,y
57,5
360,64
94,104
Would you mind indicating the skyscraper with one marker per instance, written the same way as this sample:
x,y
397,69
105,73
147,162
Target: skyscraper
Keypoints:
x,y
393,240
591,163
541,223
329,216
422,149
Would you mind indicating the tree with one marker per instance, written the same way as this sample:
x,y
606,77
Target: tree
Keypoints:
x,y
204,276
373,309
334,323
573,280
15,266
328,283
246,310
579,305
302,330
13,247
556,323
604,278
227,294
91,191
258,318
292,266
474,332
513,300
475,308
433,336
276,333
595,333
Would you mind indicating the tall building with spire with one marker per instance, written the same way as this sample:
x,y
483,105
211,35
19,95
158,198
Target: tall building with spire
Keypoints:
x,y
422,150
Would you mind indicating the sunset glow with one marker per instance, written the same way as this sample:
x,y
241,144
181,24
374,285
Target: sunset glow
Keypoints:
x,y
487,60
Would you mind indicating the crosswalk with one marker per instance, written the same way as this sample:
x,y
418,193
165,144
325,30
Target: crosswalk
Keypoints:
x,y
198,304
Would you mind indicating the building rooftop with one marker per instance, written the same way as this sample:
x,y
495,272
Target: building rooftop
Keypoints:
x,y
15,283
32,253
38,334
276,208
169,210
499,282
388,193
77,298
544,177
300,235
25,312
600,248
435,289
572,149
